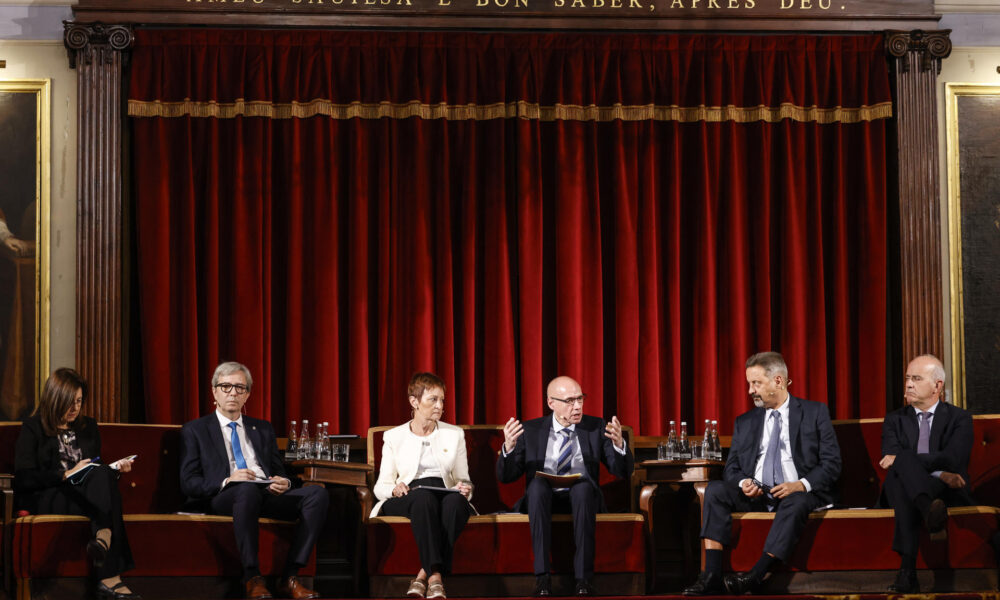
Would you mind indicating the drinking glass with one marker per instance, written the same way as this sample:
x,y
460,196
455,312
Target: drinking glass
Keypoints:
x,y
341,452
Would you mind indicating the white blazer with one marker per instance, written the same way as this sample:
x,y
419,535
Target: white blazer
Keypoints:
x,y
401,456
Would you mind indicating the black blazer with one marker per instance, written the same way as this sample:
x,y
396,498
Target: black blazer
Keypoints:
x,y
36,458
950,444
205,463
528,455
815,450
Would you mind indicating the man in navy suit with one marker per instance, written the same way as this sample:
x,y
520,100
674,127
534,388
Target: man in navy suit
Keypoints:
x,y
925,448
232,462
567,443
786,444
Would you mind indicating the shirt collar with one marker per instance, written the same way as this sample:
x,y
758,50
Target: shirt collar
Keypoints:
x,y
224,421
930,410
782,411
557,427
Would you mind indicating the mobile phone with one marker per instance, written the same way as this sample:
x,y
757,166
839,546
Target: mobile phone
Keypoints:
x,y
764,488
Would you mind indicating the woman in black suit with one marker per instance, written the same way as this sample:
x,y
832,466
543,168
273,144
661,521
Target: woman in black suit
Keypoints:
x,y
52,476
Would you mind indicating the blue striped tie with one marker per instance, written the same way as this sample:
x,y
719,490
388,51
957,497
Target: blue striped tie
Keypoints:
x,y
565,453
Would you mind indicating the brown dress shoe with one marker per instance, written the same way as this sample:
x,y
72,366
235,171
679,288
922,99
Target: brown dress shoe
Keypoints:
x,y
257,589
292,588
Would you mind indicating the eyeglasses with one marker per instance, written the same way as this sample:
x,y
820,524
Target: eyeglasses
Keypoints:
x,y
225,388
574,400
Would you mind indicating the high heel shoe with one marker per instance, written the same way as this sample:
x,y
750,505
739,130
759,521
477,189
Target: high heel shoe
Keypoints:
x,y
97,550
110,593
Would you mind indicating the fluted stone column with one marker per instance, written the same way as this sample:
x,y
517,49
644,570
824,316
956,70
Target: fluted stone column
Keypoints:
x,y
100,54
915,57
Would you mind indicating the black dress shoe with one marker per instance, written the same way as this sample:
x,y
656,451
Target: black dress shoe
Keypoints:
x,y
584,588
543,586
741,583
906,583
707,584
111,593
937,520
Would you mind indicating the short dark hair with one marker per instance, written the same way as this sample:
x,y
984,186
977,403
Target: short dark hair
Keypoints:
x,y
58,397
420,382
772,362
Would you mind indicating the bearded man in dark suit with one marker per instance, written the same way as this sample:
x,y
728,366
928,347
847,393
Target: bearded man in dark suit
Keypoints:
x,y
567,442
231,462
925,447
787,445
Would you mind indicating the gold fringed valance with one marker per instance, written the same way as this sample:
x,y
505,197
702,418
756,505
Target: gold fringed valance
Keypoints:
x,y
508,110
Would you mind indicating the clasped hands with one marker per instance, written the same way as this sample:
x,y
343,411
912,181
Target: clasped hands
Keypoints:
x,y
279,485
402,489
782,490
513,430
952,480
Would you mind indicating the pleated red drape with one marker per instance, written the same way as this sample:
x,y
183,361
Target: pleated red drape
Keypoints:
x,y
642,212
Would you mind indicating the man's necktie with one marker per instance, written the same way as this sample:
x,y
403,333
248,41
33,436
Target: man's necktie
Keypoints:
x,y
924,441
234,439
565,453
772,475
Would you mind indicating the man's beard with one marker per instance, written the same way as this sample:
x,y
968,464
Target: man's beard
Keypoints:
x,y
757,400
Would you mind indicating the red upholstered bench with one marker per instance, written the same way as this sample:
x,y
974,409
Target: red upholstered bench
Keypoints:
x,y
851,550
493,556
176,555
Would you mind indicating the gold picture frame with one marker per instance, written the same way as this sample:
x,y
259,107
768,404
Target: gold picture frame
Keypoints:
x,y
954,91
25,139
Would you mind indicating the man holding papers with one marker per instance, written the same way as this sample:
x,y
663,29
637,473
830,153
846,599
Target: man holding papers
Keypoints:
x,y
231,461
566,444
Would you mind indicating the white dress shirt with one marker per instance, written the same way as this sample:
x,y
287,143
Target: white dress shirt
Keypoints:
x,y
245,446
784,447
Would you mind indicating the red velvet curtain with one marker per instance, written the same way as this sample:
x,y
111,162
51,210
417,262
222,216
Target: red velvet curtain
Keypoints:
x,y
338,210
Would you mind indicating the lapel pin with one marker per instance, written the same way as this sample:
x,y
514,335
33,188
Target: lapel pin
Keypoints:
x,y
445,449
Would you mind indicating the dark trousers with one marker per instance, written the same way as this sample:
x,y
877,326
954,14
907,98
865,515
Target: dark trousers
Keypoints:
x,y
908,478
247,502
98,499
437,518
723,498
582,502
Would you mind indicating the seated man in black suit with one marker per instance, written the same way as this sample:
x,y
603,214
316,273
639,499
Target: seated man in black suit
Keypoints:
x,y
787,444
925,447
566,443
232,462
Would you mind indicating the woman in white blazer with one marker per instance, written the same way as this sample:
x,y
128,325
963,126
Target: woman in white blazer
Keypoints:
x,y
424,476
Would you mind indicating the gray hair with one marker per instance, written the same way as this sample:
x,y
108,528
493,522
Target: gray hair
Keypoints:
x,y
772,362
938,374
228,368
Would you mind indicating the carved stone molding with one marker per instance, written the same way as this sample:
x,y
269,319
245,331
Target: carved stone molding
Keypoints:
x,y
99,53
931,46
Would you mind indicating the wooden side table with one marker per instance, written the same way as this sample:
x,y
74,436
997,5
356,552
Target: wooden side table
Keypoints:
x,y
314,471
684,473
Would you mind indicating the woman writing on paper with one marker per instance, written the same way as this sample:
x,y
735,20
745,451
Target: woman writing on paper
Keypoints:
x,y
426,453
53,475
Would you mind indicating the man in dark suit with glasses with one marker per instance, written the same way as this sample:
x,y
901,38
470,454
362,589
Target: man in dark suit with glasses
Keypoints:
x,y
567,443
231,462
